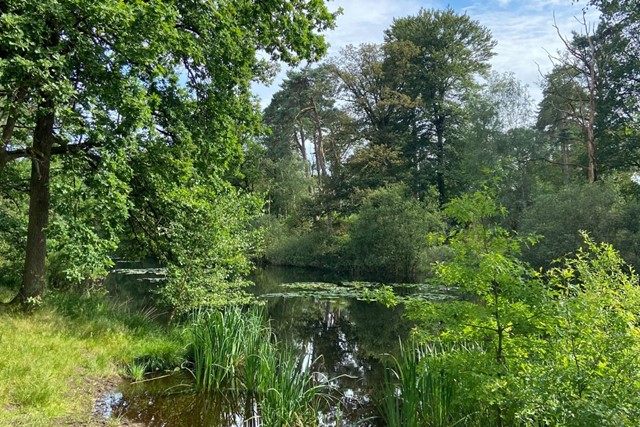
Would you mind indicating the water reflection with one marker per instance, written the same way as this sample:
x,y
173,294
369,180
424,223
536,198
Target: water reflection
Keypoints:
x,y
344,340
347,340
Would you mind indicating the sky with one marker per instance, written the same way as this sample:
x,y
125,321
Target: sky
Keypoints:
x,y
523,30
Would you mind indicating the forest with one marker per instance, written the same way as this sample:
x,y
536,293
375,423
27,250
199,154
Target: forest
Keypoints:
x,y
498,235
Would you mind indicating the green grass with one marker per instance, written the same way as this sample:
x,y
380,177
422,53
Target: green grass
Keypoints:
x,y
236,351
419,391
56,359
136,371
287,395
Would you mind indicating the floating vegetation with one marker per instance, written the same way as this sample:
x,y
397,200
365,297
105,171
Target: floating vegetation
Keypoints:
x,y
140,271
361,290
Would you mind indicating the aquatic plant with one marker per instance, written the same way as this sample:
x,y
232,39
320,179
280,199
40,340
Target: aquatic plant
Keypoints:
x,y
417,392
288,396
236,351
217,348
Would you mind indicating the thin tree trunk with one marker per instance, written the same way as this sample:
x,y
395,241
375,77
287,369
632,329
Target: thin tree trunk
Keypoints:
x,y
7,130
565,162
34,279
319,141
300,141
321,159
440,164
591,138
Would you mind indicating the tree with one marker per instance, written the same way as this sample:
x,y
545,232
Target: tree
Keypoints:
x,y
560,116
104,79
370,88
302,115
389,237
448,52
618,121
582,64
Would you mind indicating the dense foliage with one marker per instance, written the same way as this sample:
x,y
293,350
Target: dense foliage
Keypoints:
x,y
410,112
132,116
526,348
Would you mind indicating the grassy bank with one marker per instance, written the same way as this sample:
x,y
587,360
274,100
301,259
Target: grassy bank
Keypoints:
x,y
56,360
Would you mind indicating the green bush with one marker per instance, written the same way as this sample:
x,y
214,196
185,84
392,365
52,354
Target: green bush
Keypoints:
x,y
304,247
604,209
389,237
555,348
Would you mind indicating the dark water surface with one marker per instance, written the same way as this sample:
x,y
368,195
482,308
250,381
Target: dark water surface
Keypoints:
x,y
344,339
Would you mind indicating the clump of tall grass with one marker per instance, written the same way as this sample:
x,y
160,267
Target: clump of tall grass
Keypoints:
x,y
288,396
136,371
418,391
218,348
237,351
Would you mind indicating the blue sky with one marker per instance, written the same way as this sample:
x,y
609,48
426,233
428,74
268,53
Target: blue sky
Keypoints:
x,y
523,29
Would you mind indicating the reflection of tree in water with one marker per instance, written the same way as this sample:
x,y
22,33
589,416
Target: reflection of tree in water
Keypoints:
x,y
344,338
347,339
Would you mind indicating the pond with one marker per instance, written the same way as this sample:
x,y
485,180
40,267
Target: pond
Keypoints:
x,y
344,337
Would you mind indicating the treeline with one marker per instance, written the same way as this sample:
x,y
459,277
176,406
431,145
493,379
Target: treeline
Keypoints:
x,y
366,147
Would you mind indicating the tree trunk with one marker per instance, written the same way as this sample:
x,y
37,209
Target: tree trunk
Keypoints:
x,y
591,153
34,279
440,163
591,138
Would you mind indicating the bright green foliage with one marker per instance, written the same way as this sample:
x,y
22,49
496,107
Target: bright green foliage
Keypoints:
x,y
389,236
206,238
89,215
586,372
505,294
531,348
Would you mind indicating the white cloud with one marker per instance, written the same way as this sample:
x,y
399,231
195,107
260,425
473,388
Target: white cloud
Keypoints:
x,y
526,35
524,30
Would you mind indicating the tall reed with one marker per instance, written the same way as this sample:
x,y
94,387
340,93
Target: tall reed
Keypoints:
x,y
218,348
288,396
236,351
418,392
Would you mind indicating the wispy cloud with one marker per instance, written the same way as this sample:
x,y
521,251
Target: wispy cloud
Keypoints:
x,y
526,35
524,30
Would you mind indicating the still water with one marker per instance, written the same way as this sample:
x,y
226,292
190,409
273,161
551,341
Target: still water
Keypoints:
x,y
345,339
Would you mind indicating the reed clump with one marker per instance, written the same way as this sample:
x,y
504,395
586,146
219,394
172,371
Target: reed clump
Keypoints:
x,y
236,351
419,391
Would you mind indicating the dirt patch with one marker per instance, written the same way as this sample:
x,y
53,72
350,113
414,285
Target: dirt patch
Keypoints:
x,y
97,415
